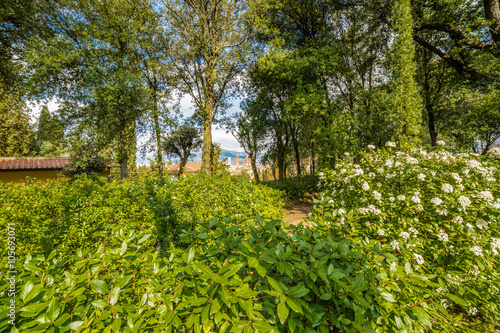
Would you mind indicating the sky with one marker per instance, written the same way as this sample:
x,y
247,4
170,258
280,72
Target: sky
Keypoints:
x,y
227,141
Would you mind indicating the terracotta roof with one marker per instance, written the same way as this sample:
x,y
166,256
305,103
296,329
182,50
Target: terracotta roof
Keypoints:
x,y
31,163
191,167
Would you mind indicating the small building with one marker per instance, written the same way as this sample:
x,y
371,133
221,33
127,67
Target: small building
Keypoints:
x,y
16,169
190,167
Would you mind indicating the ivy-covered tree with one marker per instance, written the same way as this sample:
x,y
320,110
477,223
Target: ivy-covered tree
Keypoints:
x,y
406,100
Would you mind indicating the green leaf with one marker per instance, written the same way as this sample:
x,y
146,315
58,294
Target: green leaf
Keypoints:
x,y
297,291
143,239
294,305
262,326
53,310
76,324
123,248
253,262
114,295
282,312
99,286
274,284
100,303
191,254
457,300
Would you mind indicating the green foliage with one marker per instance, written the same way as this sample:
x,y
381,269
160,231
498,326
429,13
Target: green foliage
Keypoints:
x,y
310,280
407,102
439,209
199,197
64,215
16,134
84,159
295,187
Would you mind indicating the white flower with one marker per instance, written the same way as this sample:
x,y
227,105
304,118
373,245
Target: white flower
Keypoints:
x,y
371,147
341,211
389,163
411,160
415,198
346,154
362,211
464,201
440,290
419,258
351,188
421,176
420,208
469,226
398,164
371,175
485,195
460,187
440,143
390,144
442,212
391,199
442,236
364,199
457,219
473,164
365,186
395,244
472,311
343,171
380,170
401,197
436,201
495,245
477,251
404,235
447,188
330,201
379,185
482,224
381,232
377,195
457,178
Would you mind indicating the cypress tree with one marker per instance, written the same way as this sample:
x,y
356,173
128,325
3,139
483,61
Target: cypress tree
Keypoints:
x,y
407,102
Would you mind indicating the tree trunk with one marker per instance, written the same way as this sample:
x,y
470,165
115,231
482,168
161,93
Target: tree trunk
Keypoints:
x,y
207,145
492,11
254,167
159,155
182,164
313,163
295,143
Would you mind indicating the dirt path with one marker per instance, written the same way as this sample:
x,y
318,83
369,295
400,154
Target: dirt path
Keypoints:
x,y
297,212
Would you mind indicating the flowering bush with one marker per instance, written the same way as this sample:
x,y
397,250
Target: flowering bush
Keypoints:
x,y
438,210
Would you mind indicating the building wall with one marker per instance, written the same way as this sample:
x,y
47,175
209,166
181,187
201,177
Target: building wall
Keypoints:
x,y
19,176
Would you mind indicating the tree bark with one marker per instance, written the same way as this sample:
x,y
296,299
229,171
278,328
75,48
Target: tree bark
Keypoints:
x,y
254,166
159,156
207,145
492,12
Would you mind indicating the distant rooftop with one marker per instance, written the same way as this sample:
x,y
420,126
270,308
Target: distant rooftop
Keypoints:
x,y
34,163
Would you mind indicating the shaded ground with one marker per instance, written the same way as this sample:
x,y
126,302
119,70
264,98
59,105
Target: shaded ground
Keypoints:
x,y
297,211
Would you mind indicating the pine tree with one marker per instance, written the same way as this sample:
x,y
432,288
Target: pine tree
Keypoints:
x,y
407,102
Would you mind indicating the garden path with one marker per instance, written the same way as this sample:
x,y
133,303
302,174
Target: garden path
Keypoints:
x,y
297,212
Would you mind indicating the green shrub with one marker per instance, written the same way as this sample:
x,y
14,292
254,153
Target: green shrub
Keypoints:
x,y
199,197
438,208
83,213
295,187
310,281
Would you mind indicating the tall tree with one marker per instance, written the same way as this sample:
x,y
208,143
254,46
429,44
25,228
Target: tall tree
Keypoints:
x,y
16,134
211,49
407,102
91,64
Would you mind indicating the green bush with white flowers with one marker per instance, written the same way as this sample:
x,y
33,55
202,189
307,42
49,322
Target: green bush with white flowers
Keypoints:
x,y
439,210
